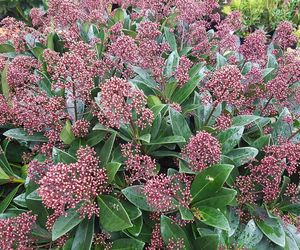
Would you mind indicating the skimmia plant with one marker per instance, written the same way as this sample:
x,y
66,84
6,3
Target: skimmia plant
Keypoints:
x,y
147,125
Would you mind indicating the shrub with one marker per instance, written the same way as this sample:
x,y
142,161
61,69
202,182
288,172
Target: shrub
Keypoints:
x,y
147,126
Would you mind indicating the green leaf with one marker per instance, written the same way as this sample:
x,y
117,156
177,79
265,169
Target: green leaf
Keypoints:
x,y
273,229
66,134
241,156
111,170
185,213
62,156
65,223
84,235
113,216
179,125
250,236
171,64
184,92
34,203
5,203
145,76
20,200
137,227
213,217
127,244
167,140
4,178
209,242
153,100
230,138
243,120
132,211
170,230
135,194
6,48
119,15
261,142
170,37
221,61
209,181
219,199
145,138
105,152
280,127
94,137
4,84
4,165
20,134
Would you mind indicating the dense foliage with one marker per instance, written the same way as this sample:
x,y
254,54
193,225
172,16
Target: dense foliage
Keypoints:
x,y
266,14
150,125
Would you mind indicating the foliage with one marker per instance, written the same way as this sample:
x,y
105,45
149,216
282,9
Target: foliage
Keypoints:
x,y
265,13
147,126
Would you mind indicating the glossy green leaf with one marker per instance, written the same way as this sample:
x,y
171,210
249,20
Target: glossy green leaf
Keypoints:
x,y
22,135
137,227
135,194
210,242
170,230
59,155
213,217
65,223
127,244
111,170
209,181
167,140
230,138
273,229
105,152
132,211
181,94
84,235
94,137
219,199
179,125
7,200
113,216
6,48
241,156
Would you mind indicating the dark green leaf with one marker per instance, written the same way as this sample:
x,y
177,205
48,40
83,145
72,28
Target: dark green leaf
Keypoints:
x,y
219,199
107,149
213,217
168,140
5,203
84,235
65,223
184,92
62,156
135,194
179,124
209,181
170,230
111,170
127,244
209,242
113,216
20,134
